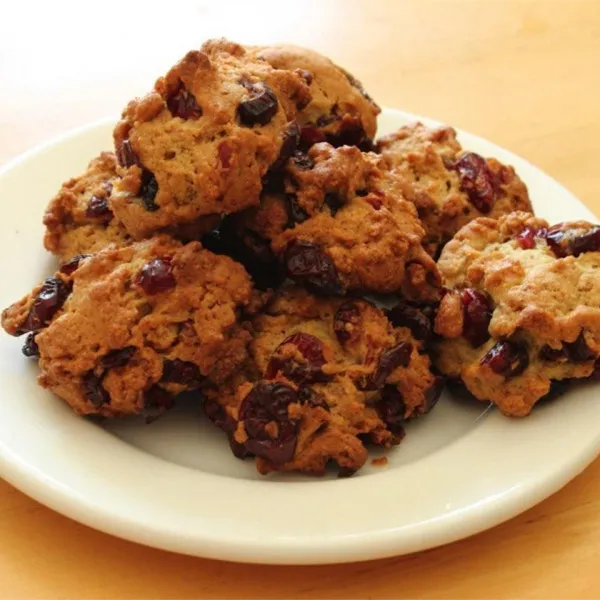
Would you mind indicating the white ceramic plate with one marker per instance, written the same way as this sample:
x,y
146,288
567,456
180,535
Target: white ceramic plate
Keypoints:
x,y
175,485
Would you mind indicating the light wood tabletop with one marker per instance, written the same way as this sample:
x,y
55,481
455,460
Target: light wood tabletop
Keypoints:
x,y
524,74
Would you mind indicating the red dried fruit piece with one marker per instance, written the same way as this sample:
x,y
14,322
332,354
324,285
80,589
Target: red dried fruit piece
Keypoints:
x,y
30,348
404,315
148,190
182,372
272,435
47,303
225,153
126,157
98,208
550,354
72,265
526,238
389,361
289,144
587,242
296,214
117,358
569,242
308,264
93,390
156,276
349,135
333,202
183,104
477,314
391,410
346,318
476,180
578,351
260,108
506,358
306,395
311,349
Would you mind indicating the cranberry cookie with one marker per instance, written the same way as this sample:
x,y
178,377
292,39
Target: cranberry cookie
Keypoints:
x,y
448,185
124,331
325,377
201,142
79,219
522,310
341,112
336,223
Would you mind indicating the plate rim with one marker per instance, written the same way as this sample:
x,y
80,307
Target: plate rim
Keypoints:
x,y
372,545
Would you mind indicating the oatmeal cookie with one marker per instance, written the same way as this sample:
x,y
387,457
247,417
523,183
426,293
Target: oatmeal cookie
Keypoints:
x,y
79,219
325,376
336,223
522,310
202,140
341,112
124,331
448,185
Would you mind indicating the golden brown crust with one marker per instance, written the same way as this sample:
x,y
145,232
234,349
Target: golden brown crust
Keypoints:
x,y
424,160
545,304
341,408
340,112
189,136
70,227
194,320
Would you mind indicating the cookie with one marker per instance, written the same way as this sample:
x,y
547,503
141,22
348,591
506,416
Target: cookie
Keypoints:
x,y
202,140
325,377
79,219
522,312
336,223
340,112
126,330
448,185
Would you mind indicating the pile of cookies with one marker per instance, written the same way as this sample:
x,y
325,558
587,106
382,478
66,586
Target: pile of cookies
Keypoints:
x,y
228,245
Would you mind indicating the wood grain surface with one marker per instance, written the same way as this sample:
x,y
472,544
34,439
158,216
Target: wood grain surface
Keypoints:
x,y
524,74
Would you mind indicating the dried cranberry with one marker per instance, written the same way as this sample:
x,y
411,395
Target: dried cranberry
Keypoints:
x,y
156,276
126,157
506,358
156,401
307,263
219,417
148,190
296,214
334,202
349,135
306,75
93,389
391,409
182,372
310,135
526,238
30,347
404,315
182,104
311,349
346,318
389,361
264,411
71,266
578,351
98,208
117,358
477,315
550,354
291,139
47,303
225,152
476,181
565,242
260,108
586,242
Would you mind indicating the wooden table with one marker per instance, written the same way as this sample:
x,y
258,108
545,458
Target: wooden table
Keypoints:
x,y
524,74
